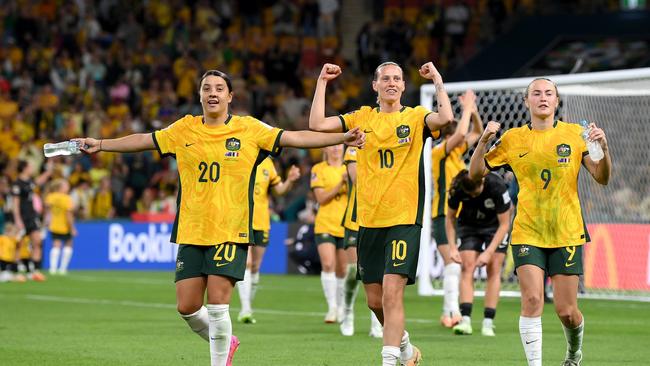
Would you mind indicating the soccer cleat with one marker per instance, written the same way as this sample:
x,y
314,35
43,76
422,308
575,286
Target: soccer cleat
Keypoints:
x,y
347,325
234,344
330,317
449,321
38,277
463,328
488,331
576,360
416,359
246,318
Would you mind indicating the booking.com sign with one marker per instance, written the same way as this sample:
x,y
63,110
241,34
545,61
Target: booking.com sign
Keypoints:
x,y
124,245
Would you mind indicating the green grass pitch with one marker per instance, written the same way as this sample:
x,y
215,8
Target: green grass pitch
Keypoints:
x,y
129,318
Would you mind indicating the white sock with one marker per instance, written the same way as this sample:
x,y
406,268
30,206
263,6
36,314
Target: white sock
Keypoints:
x,y
65,260
351,288
450,286
530,330
220,333
54,258
340,298
199,322
244,288
405,347
574,338
390,356
328,280
255,280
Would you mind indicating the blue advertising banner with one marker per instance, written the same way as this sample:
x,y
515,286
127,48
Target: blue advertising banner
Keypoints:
x,y
124,245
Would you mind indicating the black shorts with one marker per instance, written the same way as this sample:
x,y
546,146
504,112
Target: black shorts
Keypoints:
x,y
227,260
439,232
563,260
350,239
328,238
479,240
261,238
62,237
32,223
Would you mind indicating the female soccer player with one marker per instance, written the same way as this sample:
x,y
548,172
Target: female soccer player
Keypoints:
x,y
217,154
329,183
61,215
390,191
482,226
266,180
548,231
446,162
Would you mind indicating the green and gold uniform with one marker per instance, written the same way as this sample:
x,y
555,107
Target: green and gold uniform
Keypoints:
x,y
444,167
59,205
265,178
350,219
328,227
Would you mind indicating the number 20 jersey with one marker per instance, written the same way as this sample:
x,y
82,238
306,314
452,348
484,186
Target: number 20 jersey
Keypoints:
x,y
216,167
546,164
390,167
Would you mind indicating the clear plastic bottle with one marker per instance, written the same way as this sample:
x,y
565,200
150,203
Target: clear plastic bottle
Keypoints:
x,y
595,150
61,148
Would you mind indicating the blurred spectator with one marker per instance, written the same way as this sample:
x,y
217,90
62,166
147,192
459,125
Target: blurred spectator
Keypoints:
x,y
125,206
102,204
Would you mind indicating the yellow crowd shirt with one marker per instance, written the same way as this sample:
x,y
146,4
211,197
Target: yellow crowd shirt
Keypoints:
x,y
59,205
330,215
265,178
350,218
390,167
216,166
444,168
546,164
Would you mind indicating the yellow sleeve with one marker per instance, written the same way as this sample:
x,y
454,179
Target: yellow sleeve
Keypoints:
x,y
274,178
439,151
350,120
425,113
350,155
168,139
497,156
267,137
317,179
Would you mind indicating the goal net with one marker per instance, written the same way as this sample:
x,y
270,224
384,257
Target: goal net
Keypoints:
x,y
617,261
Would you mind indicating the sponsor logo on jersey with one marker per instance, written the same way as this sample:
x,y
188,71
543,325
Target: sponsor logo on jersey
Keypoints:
x,y
403,131
233,144
563,150
243,235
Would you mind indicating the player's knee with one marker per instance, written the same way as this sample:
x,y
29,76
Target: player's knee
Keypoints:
x,y
374,304
186,308
568,314
532,302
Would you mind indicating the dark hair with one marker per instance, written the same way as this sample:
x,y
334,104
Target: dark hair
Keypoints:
x,y
449,129
220,74
22,164
387,63
463,182
534,80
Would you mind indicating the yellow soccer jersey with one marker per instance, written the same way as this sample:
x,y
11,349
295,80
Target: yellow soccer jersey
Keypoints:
x,y
59,205
7,249
390,167
330,215
444,168
546,164
216,167
265,178
350,218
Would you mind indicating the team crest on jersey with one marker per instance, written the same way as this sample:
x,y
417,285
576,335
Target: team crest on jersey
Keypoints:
x,y
563,150
403,132
488,203
233,144
523,251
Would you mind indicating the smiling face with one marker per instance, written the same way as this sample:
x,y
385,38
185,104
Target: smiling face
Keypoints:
x,y
215,95
542,99
389,83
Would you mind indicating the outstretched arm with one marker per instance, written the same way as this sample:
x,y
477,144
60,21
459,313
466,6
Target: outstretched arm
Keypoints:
x,y
317,119
435,121
477,167
312,139
602,169
131,143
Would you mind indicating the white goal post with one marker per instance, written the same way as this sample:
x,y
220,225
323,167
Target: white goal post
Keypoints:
x,y
617,261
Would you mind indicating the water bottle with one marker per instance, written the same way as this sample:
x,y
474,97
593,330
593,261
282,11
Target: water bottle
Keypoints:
x,y
61,148
595,150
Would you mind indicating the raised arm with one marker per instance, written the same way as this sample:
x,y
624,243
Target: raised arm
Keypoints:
x,y
130,143
312,139
284,186
477,167
317,119
601,170
434,120
458,137
477,127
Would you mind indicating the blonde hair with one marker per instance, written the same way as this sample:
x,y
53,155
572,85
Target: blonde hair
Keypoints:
x,y
541,78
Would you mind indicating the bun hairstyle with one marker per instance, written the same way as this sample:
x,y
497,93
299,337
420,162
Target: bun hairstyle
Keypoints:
x,y
220,74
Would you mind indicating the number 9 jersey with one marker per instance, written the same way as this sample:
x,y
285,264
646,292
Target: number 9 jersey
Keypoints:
x,y
546,164
216,167
390,167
